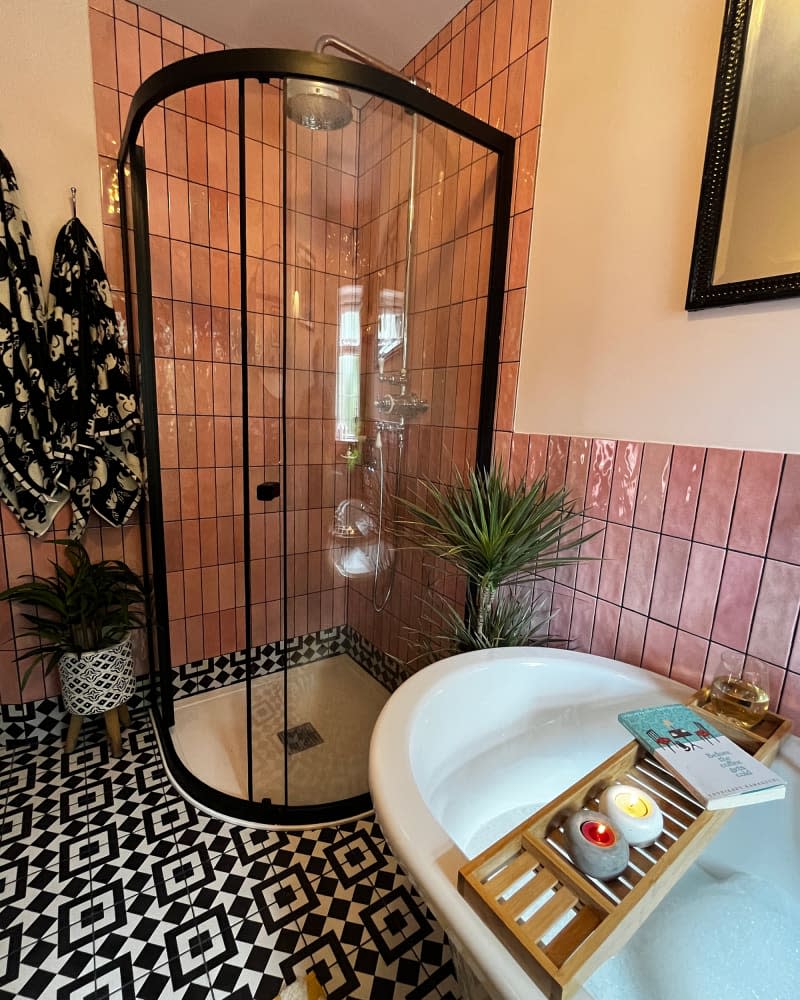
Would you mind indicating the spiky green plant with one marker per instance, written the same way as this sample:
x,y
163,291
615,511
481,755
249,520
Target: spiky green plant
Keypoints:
x,y
85,606
508,621
493,532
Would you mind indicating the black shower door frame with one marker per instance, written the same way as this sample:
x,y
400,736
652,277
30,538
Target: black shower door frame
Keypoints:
x,y
267,65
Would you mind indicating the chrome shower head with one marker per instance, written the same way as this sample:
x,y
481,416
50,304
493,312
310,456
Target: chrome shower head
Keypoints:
x,y
318,106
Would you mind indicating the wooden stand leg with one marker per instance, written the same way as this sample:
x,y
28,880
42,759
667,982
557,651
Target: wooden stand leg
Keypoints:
x,y
74,731
112,728
124,716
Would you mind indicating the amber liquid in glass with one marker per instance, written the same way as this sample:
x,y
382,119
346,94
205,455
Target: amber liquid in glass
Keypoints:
x,y
740,701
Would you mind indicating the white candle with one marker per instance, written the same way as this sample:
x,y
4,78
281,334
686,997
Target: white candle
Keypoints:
x,y
634,813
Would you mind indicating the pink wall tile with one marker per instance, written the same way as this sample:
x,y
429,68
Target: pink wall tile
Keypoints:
x,y
606,624
689,659
702,584
583,615
784,542
737,598
790,699
717,495
653,481
670,578
640,571
658,645
588,572
615,559
598,487
630,638
682,493
755,502
625,482
776,612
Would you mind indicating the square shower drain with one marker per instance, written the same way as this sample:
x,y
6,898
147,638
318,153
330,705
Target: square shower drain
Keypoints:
x,y
301,737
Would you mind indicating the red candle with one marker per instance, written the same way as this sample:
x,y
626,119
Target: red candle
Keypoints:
x,y
599,834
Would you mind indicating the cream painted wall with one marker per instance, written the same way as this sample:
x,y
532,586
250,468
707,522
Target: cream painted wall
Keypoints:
x,y
47,124
608,350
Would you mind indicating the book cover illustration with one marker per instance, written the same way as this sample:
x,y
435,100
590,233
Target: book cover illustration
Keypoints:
x,y
669,727
712,767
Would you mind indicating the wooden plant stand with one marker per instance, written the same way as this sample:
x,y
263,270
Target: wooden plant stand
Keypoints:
x,y
116,719
562,925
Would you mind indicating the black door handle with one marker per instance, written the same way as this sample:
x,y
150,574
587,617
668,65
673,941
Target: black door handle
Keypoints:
x,y
268,491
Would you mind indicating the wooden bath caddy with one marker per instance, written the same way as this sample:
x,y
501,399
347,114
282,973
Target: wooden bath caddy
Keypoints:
x,y
583,922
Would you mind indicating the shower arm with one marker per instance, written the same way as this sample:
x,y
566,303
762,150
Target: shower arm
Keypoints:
x,y
333,42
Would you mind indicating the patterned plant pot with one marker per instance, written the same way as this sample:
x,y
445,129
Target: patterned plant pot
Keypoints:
x,y
99,680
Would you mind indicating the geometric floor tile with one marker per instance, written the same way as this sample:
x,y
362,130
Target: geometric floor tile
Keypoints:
x,y
113,887
395,923
355,857
325,957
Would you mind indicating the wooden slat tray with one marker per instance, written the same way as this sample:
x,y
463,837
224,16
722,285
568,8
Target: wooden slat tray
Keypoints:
x,y
562,925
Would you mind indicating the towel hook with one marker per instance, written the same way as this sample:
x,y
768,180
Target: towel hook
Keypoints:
x,y
73,191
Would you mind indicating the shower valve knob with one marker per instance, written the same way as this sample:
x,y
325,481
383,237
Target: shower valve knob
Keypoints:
x,y
268,491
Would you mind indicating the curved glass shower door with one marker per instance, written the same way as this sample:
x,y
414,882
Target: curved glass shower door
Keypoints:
x,y
311,317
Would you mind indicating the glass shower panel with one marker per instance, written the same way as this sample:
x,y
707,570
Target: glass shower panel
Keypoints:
x,y
266,487
425,212
323,424
192,185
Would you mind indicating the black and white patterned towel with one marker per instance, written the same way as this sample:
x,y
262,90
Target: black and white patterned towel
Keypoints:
x,y
91,397
26,425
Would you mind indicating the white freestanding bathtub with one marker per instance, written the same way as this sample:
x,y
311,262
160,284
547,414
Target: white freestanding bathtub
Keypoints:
x,y
470,746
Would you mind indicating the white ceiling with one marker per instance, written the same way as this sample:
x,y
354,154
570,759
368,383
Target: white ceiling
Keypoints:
x,y
391,30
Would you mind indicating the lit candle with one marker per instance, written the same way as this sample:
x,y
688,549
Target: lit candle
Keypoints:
x,y
596,846
598,833
635,814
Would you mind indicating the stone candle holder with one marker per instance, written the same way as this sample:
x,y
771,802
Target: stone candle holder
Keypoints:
x,y
596,845
634,813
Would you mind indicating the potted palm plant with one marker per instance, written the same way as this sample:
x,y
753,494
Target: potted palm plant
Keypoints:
x,y
82,618
500,537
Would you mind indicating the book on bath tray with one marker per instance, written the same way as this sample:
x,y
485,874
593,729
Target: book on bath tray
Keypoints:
x,y
717,772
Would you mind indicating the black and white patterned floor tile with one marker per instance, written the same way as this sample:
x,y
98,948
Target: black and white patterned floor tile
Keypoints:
x,y
112,887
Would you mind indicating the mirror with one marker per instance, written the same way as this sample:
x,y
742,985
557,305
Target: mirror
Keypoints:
x,y
747,240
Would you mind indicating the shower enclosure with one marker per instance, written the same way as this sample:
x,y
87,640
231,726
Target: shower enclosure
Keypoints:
x,y
315,264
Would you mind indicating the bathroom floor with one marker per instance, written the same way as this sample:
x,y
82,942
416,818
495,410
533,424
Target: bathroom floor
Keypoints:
x,y
112,887
332,707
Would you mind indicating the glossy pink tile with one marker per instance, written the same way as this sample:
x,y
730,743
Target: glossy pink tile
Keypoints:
x,y
737,598
588,572
615,560
653,481
702,585
598,486
583,614
557,453
755,501
775,619
630,637
784,541
625,481
670,577
606,625
790,699
689,659
717,496
686,471
641,570
659,643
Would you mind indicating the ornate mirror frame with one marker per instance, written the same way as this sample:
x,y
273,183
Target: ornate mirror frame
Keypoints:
x,y
702,292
